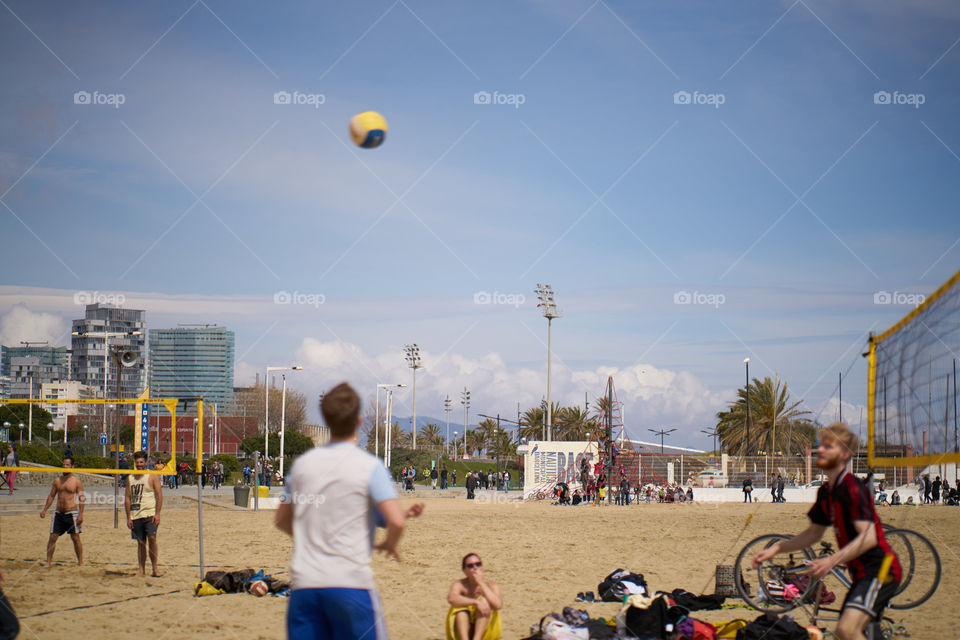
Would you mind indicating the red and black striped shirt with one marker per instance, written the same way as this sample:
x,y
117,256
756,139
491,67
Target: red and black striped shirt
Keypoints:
x,y
841,506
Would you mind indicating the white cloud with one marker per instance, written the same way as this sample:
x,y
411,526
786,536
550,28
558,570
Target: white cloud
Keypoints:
x,y
20,323
651,396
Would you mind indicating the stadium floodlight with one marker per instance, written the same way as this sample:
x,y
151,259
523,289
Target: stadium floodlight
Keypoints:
x,y
465,401
447,408
550,311
412,355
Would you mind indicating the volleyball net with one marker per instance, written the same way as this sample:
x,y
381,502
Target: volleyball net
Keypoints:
x,y
912,385
170,404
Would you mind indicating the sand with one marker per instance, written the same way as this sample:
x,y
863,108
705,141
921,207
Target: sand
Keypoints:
x,y
541,555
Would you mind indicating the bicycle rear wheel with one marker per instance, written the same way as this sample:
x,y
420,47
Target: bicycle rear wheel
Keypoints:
x,y
771,587
920,564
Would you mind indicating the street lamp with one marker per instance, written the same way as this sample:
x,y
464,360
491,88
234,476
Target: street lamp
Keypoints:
x,y
714,433
465,401
412,355
746,362
283,416
661,433
455,434
50,434
549,306
266,408
376,420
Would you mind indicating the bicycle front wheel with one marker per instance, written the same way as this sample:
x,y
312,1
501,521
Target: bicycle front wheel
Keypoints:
x,y
920,565
776,585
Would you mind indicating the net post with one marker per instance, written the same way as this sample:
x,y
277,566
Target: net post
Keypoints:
x,y
199,435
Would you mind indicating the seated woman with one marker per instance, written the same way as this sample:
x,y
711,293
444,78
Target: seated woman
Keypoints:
x,y
895,498
475,604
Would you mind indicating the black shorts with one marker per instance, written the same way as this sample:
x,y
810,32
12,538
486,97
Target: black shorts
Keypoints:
x,y
143,528
64,522
869,596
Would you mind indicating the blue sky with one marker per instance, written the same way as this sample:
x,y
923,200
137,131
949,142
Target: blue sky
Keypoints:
x,y
784,208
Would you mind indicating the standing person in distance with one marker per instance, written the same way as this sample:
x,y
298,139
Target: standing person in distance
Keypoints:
x,y
11,460
845,502
335,496
142,502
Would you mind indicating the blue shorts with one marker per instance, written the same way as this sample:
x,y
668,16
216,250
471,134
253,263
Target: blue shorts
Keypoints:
x,y
335,614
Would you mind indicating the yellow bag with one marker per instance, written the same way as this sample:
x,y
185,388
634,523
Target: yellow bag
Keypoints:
x,y
729,629
206,589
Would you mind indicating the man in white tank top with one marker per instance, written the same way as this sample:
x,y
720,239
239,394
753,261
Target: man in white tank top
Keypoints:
x,y
144,498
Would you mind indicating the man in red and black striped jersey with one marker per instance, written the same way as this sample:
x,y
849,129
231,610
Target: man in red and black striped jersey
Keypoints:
x,y
846,503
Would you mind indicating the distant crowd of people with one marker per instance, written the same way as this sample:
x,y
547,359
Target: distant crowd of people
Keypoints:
x,y
623,494
441,479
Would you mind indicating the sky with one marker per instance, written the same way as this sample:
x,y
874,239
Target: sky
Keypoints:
x,y
698,183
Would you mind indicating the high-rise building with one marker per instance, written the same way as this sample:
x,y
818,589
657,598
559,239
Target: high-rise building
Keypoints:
x,y
48,356
187,362
67,390
29,373
105,324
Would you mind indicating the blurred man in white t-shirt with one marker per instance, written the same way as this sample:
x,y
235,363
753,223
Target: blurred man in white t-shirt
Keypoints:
x,y
335,497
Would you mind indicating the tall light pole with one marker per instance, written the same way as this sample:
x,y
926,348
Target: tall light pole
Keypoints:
x,y
661,433
376,420
266,410
465,401
412,354
447,409
388,436
746,362
549,309
283,415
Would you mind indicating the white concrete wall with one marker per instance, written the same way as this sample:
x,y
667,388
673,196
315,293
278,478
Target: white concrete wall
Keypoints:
x,y
735,494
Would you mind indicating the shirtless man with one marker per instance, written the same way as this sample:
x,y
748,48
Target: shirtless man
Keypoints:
x,y
68,516
478,600
143,501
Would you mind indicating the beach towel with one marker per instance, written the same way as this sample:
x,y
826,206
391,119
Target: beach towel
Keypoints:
x,y
494,629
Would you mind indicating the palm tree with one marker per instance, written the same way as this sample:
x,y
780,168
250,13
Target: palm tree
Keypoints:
x,y
399,437
776,424
430,435
487,430
573,423
475,442
531,424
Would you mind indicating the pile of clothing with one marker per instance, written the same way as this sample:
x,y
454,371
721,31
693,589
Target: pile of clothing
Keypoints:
x,y
572,624
217,582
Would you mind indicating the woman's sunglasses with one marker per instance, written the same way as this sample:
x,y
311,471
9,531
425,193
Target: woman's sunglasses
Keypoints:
x,y
472,565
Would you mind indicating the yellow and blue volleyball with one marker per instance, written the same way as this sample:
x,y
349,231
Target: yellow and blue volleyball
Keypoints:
x,y
368,129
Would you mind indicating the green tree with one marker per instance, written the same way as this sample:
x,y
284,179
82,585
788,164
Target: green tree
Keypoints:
x,y
777,426
294,443
17,413
475,442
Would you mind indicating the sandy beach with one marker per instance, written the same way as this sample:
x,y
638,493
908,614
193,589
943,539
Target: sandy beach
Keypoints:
x,y
540,554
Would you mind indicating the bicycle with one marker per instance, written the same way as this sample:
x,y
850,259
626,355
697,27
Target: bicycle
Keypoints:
x,y
783,585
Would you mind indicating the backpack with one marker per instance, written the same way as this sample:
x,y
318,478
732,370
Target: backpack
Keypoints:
x,y
643,618
770,627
